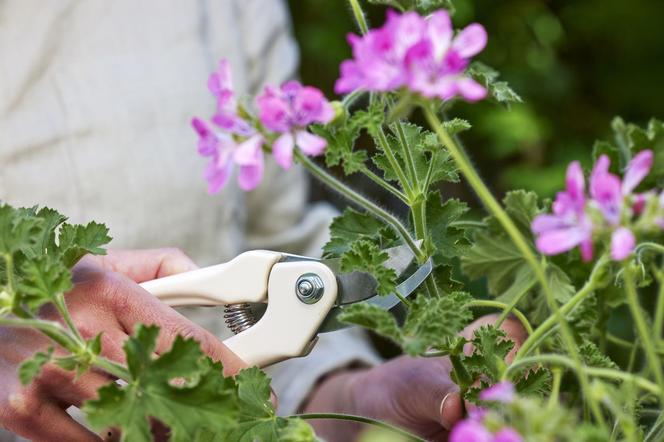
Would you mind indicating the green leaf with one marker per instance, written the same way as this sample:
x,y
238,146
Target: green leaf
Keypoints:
x,y
490,347
495,257
426,153
365,256
456,126
592,356
42,279
535,383
373,318
257,419
207,400
19,229
75,241
352,226
488,77
30,368
448,240
432,322
630,139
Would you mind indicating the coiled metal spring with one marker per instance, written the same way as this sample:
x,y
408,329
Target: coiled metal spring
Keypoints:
x,y
238,317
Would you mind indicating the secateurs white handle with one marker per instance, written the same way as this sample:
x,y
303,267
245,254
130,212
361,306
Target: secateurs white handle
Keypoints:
x,y
293,312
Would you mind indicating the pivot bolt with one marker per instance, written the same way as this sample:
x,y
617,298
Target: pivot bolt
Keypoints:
x,y
309,288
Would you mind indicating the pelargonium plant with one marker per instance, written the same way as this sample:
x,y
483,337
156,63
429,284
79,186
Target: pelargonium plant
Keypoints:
x,y
569,270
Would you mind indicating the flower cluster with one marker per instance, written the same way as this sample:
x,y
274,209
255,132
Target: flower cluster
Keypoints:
x,y
421,54
610,209
231,139
474,428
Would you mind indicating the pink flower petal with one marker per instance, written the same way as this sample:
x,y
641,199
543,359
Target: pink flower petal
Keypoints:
x,y
208,143
282,149
470,431
250,176
351,77
249,152
545,222
470,89
622,243
637,169
574,182
471,40
500,392
586,248
440,32
217,174
558,241
311,144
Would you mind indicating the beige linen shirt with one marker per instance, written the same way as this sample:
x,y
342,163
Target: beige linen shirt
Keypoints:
x,y
95,102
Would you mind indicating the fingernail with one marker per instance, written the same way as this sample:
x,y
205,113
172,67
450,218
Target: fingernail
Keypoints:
x,y
444,421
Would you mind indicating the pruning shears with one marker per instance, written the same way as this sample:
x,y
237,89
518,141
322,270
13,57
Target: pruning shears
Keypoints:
x,y
276,303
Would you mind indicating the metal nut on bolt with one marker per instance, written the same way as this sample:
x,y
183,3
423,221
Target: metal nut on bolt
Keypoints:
x,y
309,288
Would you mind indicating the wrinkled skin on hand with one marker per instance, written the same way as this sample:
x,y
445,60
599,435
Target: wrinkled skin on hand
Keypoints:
x,y
416,394
106,298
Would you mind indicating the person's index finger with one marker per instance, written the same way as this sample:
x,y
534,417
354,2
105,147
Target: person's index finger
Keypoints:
x,y
136,306
144,264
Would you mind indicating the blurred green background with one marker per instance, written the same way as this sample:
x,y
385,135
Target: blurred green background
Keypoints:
x,y
576,64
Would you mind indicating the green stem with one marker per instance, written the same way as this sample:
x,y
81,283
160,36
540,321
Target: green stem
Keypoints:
x,y
659,308
587,289
361,419
385,185
59,335
407,153
468,223
642,329
358,13
520,242
360,200
605,373
626,344
555,387
502,306
60,304
387,150
348,100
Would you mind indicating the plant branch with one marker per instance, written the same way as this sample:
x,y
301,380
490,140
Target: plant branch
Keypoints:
x,y
407,154
387,150
361,419
360,200
358,13
502,306
385,185
642,329
605,373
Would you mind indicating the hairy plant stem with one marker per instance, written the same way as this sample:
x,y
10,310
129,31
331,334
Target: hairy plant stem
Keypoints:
x,y
361,419
642,329
54,331
408,155
588,288
502,306
659,308
555,387
385,185
520,242
361,201
628,345
358,13
60,304
605,373
387,150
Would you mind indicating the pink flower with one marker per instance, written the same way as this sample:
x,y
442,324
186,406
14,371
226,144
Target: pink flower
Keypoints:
x,y
637,169
569,225
500,392
226,117
224,151
470,431
288,111
230,139
507,434
420,54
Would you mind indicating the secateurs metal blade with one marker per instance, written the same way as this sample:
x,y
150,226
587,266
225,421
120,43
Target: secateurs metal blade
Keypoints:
x,y
301,297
